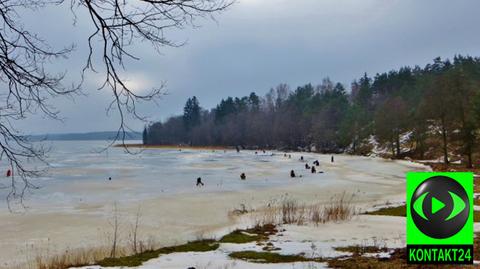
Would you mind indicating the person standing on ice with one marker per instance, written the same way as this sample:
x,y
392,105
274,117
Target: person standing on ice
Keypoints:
x,y
9,173
199,182
332,159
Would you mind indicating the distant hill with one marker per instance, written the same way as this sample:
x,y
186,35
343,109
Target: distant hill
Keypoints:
x,y
109,135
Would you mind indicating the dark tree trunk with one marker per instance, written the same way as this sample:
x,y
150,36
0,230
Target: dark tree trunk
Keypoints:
x,y
470,162
393,147
421,148
398,144
354,146
445,142
468,139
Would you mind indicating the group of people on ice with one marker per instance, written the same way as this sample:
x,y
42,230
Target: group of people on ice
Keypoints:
x,y
313,168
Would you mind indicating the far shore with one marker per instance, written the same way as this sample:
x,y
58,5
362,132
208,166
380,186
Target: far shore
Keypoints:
x,y
174,147
434,165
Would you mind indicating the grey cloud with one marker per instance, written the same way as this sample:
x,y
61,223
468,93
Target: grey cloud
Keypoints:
x,y
260,43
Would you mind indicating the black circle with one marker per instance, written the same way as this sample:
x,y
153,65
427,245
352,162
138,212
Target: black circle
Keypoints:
x,y
437,226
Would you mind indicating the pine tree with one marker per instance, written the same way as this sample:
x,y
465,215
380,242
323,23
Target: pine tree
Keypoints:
x,y
191,113
145,136
254,102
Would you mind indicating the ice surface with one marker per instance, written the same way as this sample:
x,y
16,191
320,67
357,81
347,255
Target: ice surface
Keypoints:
x,y
73,208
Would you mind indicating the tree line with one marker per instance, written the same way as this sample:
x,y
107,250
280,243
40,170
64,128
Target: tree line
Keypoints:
x,y
429,112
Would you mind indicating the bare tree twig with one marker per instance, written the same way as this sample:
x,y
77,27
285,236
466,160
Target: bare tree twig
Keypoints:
x,y
28,87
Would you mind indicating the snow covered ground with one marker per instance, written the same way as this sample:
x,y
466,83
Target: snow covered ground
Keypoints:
x,y
213,260
309,241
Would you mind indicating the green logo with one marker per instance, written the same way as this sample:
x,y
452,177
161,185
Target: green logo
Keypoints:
x,y
440,217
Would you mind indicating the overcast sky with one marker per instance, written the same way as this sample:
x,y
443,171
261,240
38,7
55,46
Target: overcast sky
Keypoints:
x,y
257,44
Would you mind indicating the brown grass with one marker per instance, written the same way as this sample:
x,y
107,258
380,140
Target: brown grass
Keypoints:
x,y
452,167
84,257
270,257
340,208
290,211
396,211
71,258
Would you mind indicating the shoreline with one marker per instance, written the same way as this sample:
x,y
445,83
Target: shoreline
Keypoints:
x,y
142,146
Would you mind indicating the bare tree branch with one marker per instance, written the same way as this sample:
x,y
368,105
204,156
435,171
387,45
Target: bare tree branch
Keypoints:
x,y
119,23
28,87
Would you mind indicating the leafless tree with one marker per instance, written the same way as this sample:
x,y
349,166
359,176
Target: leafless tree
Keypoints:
x,y
28,86
115,225
119,23
134,232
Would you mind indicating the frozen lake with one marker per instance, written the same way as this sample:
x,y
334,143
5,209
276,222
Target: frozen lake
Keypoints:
x,y
79,172
73,207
